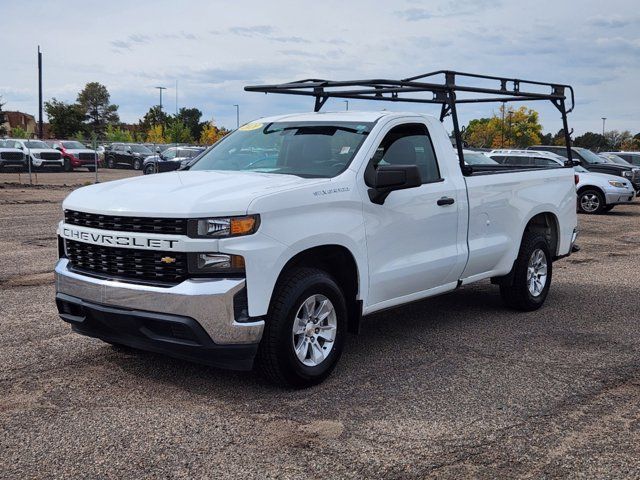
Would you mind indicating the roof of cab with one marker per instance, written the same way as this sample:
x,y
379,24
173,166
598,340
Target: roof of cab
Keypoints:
x,y
344,116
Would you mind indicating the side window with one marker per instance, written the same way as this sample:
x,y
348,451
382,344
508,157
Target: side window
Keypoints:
x,y
519,161
499,158
409,144
545,162
170,153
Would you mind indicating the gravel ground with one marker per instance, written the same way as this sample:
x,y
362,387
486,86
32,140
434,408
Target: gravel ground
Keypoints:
x,y
452,387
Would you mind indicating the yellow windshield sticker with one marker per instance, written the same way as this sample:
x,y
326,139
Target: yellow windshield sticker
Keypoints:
x,y
250,126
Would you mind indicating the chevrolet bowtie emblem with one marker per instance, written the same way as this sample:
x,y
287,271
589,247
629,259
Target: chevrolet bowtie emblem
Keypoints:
x,y
168,260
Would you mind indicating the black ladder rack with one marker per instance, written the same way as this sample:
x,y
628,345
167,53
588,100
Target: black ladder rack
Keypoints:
x,y
443,92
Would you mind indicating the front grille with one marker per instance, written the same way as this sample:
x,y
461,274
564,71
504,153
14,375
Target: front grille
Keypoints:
x,y
50,156
170,226
11,156
141,266
86,156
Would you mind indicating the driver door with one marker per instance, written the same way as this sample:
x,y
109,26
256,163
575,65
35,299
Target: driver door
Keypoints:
x,y
412,238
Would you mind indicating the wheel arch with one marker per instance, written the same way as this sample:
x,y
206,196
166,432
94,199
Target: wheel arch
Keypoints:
x,y
339,262
547,224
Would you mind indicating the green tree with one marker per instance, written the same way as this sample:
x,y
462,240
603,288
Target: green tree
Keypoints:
x,y
116,134
18,132
3,130
95,102
516,128
178,132
65,119
153,117
191,118
615,138
480,133
591,140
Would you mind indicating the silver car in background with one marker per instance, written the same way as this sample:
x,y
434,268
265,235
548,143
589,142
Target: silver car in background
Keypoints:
x,y
597,192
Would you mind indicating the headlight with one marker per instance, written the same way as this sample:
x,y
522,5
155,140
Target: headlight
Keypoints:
x,y
36,155
223,227
215,264
627,173
616,184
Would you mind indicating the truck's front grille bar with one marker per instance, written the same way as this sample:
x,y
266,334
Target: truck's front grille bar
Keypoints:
x,y
146,266
171,226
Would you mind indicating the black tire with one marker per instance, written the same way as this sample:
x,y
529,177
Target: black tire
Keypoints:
x,y
277,359
137,164
593,198
91,169
516,293
149,169
111,162
67,167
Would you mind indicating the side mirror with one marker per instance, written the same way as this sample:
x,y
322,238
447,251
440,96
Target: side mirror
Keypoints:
x,y
128,150
59,148
388,178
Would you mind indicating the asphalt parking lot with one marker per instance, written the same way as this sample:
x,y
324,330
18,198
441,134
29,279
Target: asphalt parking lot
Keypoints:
x,y
455,386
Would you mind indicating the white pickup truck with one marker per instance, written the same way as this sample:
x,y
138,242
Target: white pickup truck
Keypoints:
x,y
275,243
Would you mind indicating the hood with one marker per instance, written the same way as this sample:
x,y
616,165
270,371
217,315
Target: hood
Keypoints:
x,y
75,151
182,194
43,150
603,178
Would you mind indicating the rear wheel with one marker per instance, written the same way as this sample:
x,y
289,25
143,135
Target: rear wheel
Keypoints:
x,y
149,169
304,330
111,163
531,275
137,164
591,201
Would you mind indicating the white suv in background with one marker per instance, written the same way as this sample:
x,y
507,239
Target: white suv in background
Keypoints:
x,y
597,192
39,153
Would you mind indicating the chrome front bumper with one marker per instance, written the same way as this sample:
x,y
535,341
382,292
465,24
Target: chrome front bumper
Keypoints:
x,y
207,301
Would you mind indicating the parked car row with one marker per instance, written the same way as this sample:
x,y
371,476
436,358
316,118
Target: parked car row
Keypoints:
x,y
599,188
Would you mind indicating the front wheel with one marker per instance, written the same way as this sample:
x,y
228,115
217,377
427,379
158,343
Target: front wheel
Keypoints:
x,y
591,201
149,169
111,163
531,275
304,330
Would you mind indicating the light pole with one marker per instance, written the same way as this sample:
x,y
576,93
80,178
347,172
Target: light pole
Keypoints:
x,y
604,119
346,102
237,115
160,114
161,88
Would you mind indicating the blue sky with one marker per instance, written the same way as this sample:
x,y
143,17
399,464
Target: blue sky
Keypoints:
x,y
214,48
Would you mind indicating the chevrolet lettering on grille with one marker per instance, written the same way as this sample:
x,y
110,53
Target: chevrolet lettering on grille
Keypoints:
x,y
118,240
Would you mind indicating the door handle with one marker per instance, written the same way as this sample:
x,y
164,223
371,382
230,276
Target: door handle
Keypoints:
x,y
446,201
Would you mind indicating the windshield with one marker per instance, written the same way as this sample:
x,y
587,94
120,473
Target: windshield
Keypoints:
x,y
473,158
589,156
35,144
615,159
141,149
73,145
305,149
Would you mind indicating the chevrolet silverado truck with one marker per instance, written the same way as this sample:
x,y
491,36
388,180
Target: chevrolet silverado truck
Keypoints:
x,y
280,238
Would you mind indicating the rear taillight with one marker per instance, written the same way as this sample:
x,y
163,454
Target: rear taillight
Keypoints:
x,y
576,178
